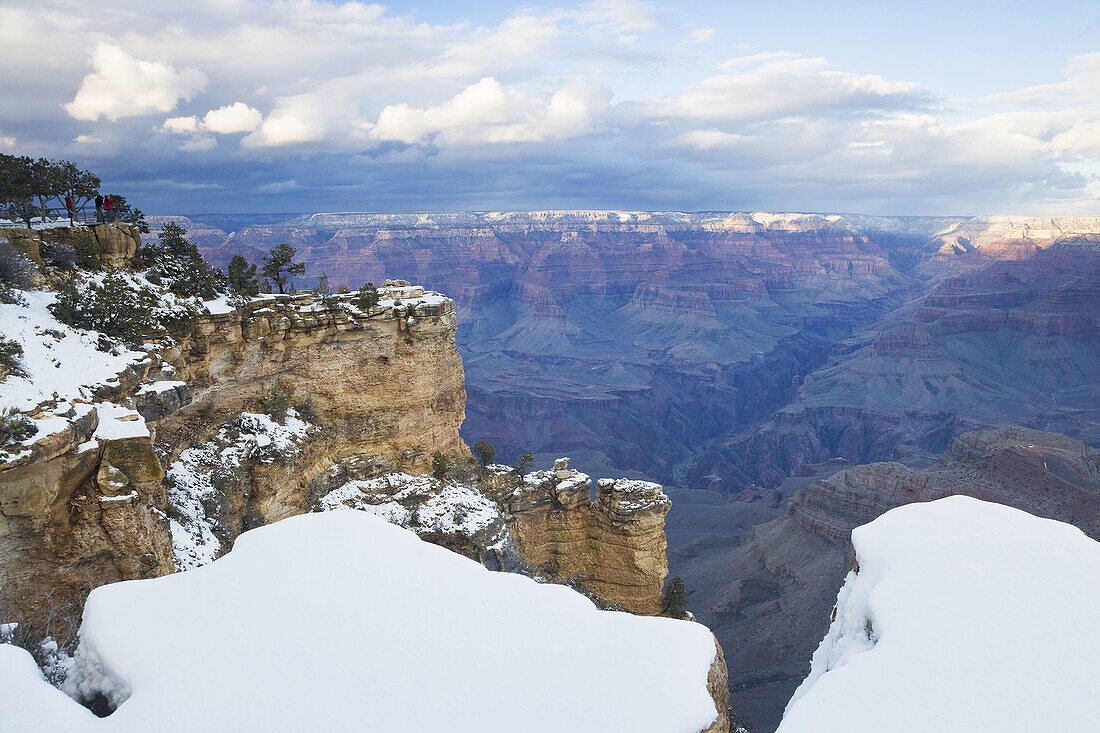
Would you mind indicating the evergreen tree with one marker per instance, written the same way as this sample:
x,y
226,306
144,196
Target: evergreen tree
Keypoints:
x,y
178,259
17,188
675,598
280,265
367,298
242,277
525,464
484,452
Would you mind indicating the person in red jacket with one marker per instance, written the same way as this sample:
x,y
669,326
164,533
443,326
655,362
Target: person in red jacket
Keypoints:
x,y
70,207
109,206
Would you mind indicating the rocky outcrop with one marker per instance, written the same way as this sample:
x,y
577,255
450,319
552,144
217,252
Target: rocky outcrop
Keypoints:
x,y
115,244
77,512
384,389
613,547
767,596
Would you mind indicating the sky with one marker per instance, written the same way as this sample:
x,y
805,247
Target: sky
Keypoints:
x,y
256,106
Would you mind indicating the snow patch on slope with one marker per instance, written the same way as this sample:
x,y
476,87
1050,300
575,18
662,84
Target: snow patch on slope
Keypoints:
x,y
193,494
964,616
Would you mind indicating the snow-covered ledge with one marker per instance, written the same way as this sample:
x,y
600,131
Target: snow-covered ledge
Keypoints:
x,y
963,615
339,621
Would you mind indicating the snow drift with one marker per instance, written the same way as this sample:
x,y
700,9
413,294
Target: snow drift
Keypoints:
x,y
963,616
339,621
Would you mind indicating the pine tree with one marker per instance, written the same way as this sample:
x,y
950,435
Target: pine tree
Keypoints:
x,y
242,277
484,452
675,598
280,265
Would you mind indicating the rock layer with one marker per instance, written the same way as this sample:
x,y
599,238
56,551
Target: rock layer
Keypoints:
x,y
613,547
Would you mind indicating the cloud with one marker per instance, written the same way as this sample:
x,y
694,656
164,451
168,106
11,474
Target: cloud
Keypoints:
x,y
123,86
780,84
487,113
7,142
700,35
620,16
236,117
181,125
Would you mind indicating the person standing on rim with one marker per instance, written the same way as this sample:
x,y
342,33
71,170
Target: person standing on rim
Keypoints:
x,y
109,205
99,208
69,207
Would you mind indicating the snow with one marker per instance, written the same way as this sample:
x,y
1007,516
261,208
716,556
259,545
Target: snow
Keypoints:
x,y
29,703
163,385
254,437
964,616
338,621
446,508
218,306
117,422
59,360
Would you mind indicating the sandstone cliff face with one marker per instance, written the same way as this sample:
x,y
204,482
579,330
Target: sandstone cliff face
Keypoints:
x,y
767,595
116,244
77,512
385,389
613,547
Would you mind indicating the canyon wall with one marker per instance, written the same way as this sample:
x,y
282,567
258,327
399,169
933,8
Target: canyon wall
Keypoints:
x,y
767,594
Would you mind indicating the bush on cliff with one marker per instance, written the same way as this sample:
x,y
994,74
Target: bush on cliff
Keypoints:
x,y
10,354
16,273
675,598
367,297
178,260
242,277
485,452
60,255
15,427
525,464
113,307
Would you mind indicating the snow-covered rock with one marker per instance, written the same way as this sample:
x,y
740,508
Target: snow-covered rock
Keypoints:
x,y
338,621
963,616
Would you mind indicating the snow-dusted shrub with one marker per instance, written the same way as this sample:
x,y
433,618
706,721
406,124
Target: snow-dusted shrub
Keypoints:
x,y
120,307
16,273
113,307
15,427
177,260
10,353
60,255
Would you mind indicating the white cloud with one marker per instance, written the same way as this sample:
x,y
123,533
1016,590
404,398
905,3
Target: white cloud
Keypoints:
x,y
87,140
297,121
236,117
6,142
700,35
487,113
123,86
181,125
774,85
201,143
620,16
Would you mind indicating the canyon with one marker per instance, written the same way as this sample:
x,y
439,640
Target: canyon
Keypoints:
x,y
726,351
